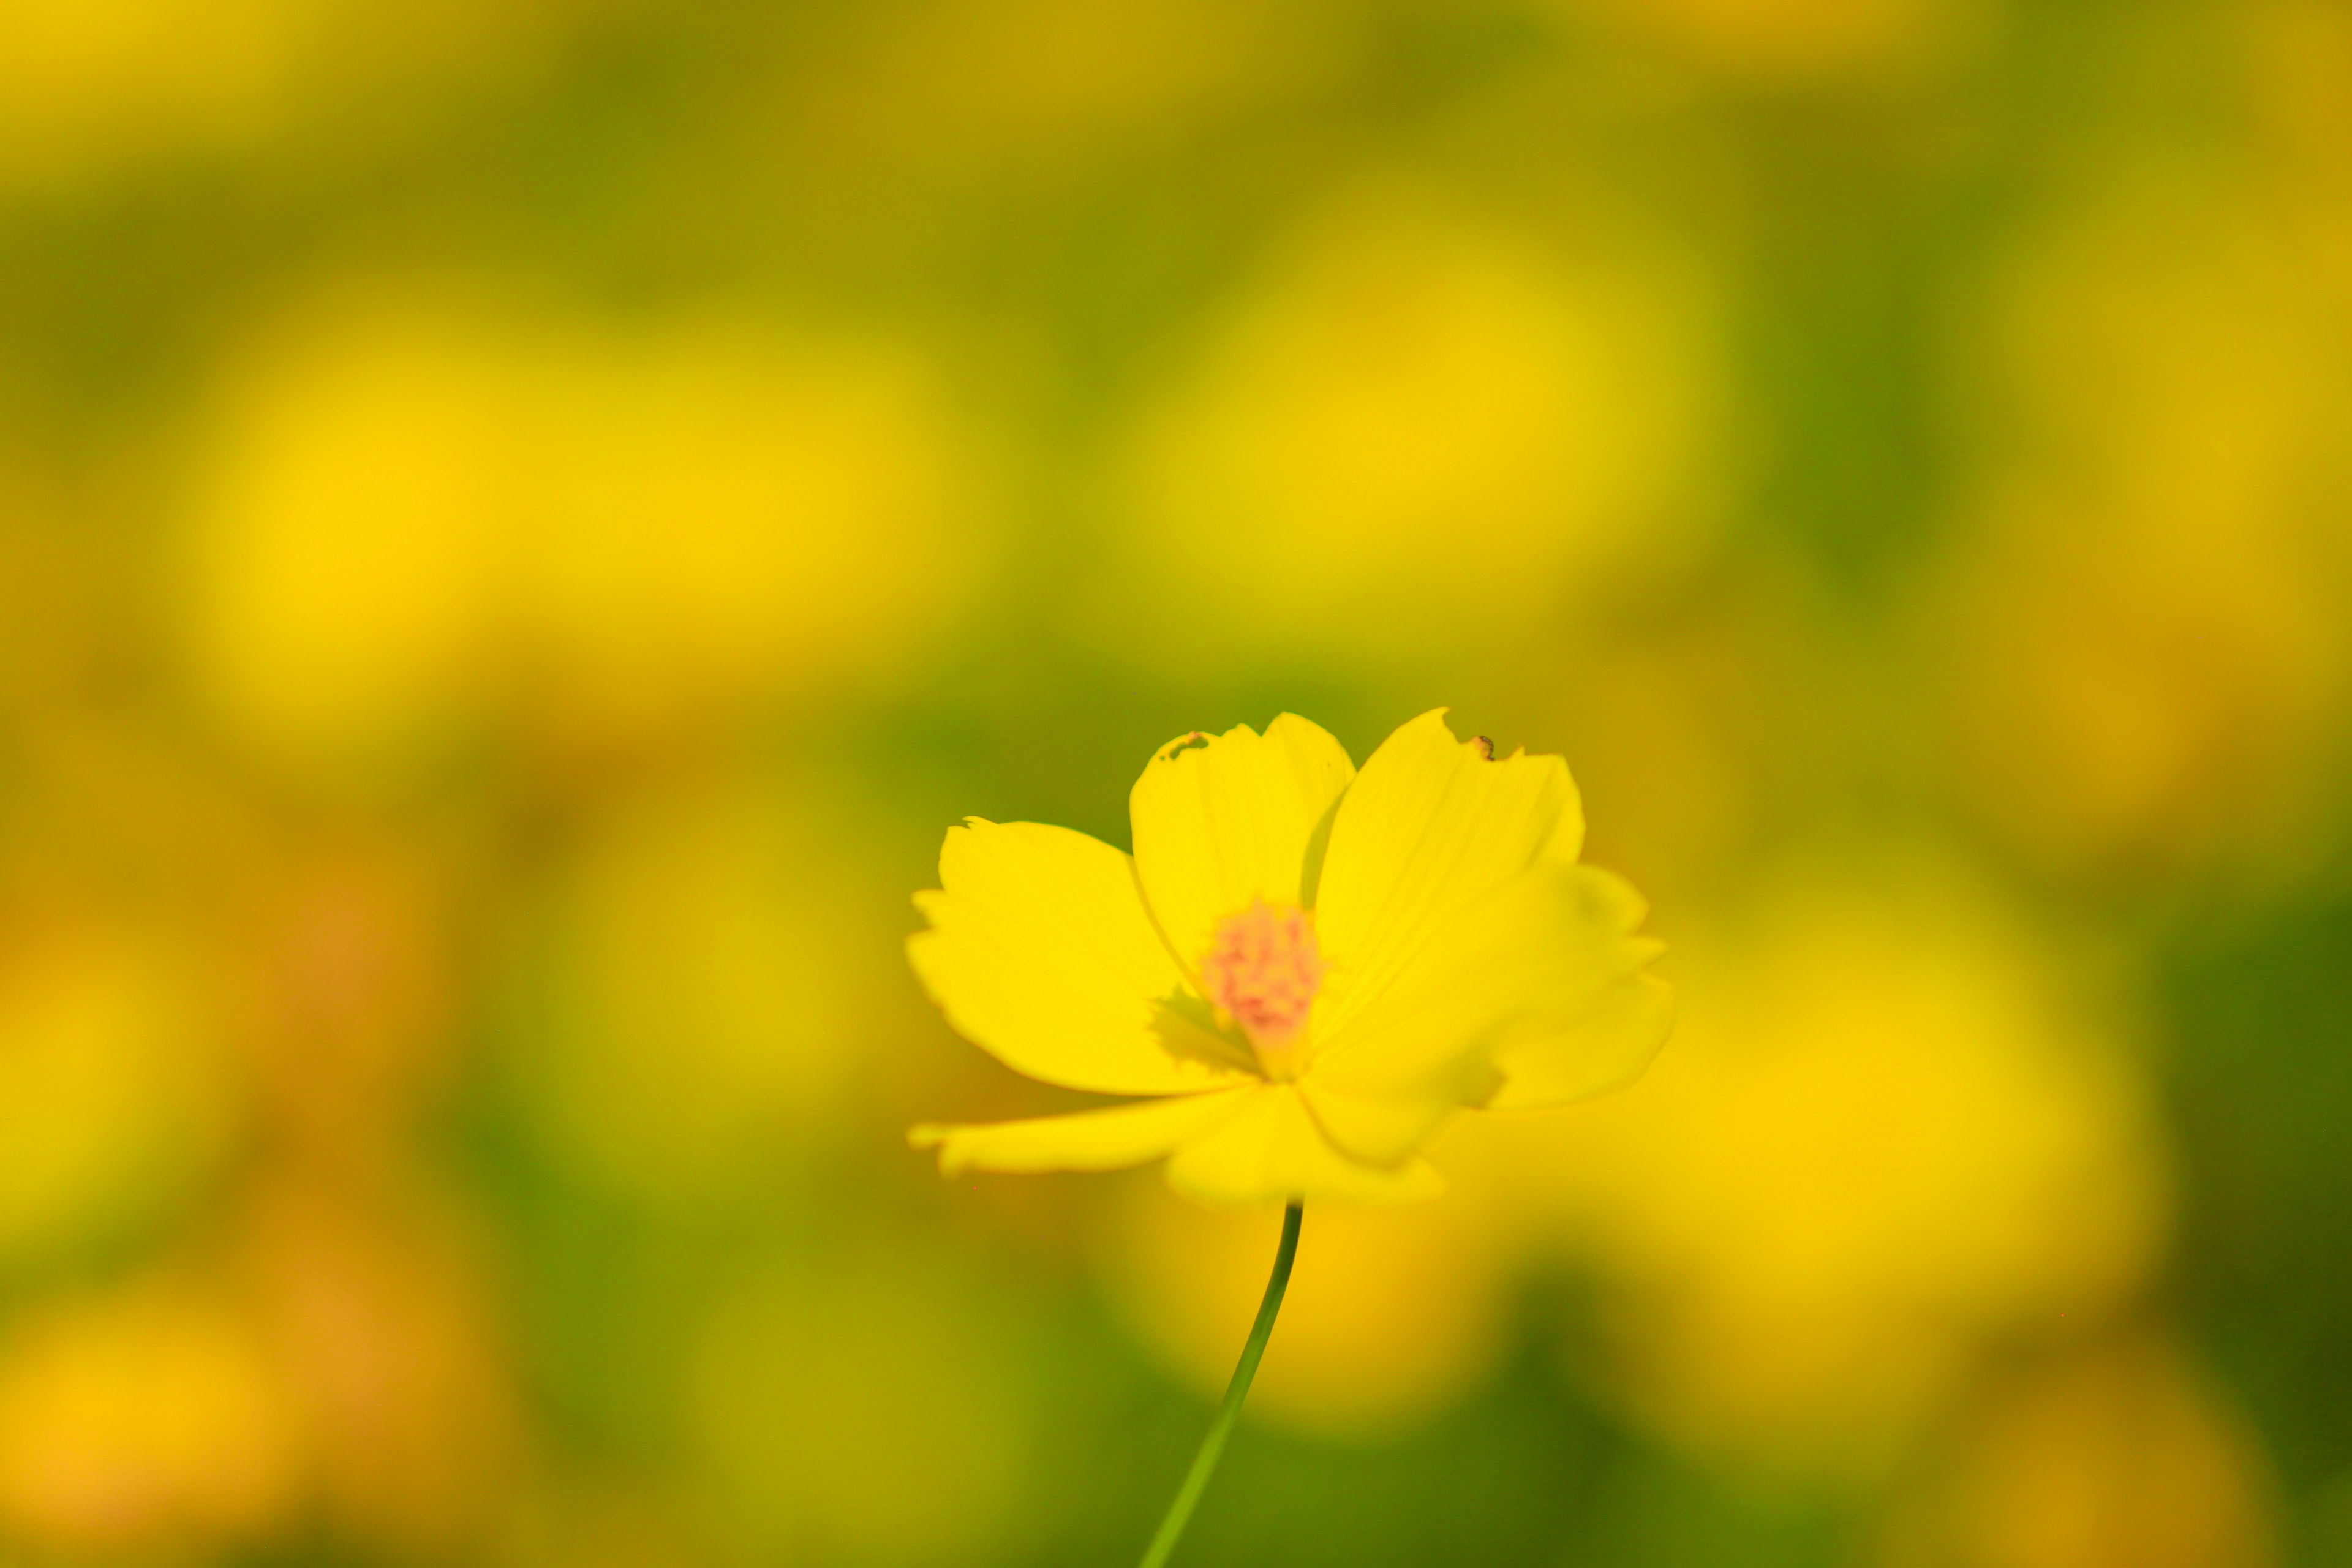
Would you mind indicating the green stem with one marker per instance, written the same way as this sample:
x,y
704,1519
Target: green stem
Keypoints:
x,y
1212,1446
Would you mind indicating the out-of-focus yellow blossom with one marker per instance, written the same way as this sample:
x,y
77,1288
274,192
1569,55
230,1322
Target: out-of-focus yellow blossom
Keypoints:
x,y
2148,628
413,521
1315,969
740,513
692,1002
861,1413
1421,431
1396,1317
2123,707
2113,1455
111,1109
150,1422
84,80
1881,1141
347,545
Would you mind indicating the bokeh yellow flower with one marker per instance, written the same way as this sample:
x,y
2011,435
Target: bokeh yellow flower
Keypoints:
x,y
605,534
2118,1450
1310,969
111,1109
135,1421
692,1004
2143,622
1417,403
1894,1133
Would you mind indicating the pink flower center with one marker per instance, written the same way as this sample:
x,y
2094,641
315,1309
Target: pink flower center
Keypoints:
x,y
1263,969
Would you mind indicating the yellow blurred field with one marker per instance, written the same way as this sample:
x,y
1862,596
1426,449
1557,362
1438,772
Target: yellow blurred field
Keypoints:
x,y
522,524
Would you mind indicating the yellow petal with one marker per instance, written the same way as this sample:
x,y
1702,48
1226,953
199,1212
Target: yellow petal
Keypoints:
x,y
1221,821
1532,995
1607,1046
1042,952
1270,1151
1108,1140
1429,827
1385,1129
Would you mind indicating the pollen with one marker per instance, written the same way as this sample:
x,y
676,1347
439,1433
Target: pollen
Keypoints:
x,y
1263,971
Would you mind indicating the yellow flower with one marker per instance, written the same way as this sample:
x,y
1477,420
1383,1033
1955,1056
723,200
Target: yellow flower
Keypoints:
x,y
1312,969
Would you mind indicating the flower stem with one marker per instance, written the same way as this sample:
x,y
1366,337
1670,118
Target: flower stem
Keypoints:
x,y
1212,1446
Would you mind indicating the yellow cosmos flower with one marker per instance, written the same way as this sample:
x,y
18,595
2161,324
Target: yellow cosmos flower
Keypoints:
x,y
1310,969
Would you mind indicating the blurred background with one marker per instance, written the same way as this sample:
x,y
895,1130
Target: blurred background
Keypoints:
x,y
521,521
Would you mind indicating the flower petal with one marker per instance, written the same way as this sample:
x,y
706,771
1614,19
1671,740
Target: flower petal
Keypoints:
x,y
1532,996
1270,1151
1108,1140
1607,1046
1220,821
1381,1129
1042,952
1430,825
